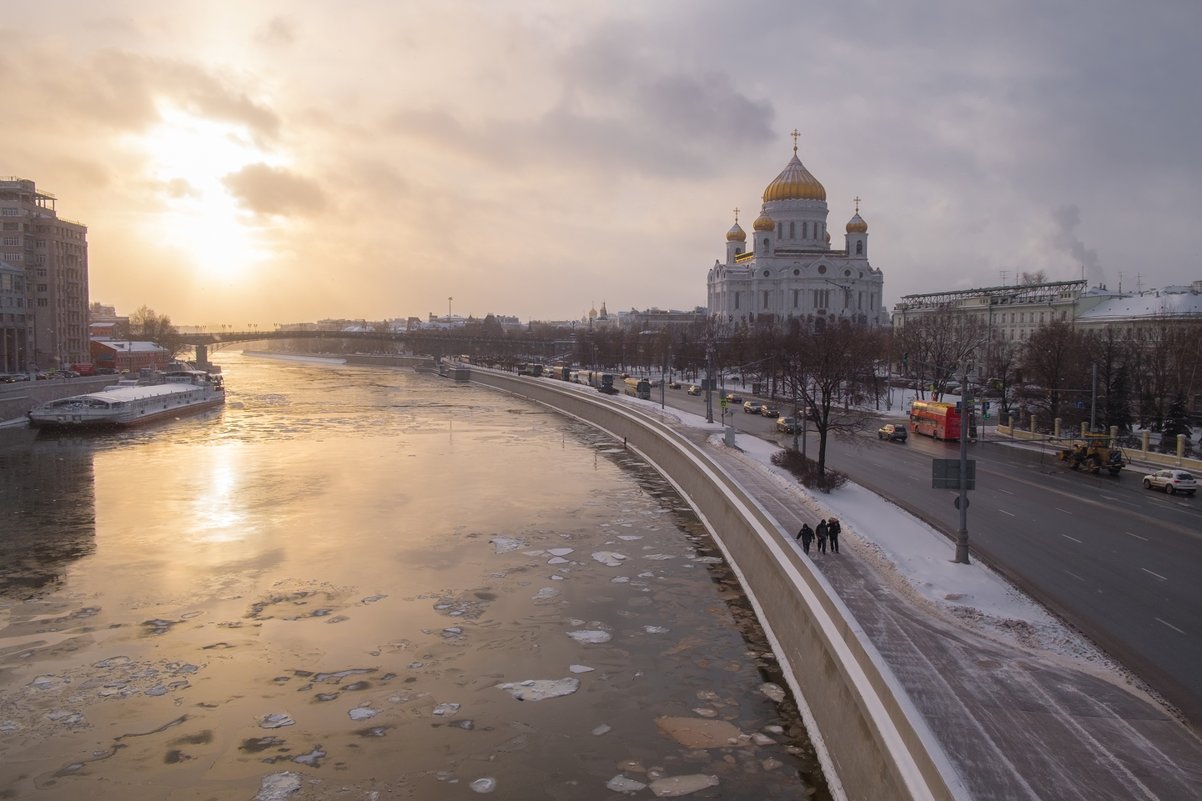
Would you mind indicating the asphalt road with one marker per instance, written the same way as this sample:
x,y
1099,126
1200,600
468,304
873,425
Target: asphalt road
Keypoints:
x,y
1115,561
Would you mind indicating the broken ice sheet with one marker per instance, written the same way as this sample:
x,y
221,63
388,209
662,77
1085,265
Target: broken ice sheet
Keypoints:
x,y
540,689
446,709
609,558
363,713
545,593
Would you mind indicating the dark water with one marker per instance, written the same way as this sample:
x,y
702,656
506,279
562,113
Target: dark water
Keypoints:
x,y
317,591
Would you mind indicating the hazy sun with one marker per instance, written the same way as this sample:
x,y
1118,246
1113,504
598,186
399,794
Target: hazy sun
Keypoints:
x,y
188,157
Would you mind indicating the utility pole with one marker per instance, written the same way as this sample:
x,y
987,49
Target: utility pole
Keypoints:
x,y
1093,398
709,379
962,501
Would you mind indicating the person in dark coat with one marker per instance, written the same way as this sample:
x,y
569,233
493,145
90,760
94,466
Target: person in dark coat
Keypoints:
x,y
822,531
832,530
806,535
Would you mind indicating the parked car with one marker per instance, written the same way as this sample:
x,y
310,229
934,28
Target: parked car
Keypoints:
x,y
788,425
751,407
1172,482
894,433
694,389
768,410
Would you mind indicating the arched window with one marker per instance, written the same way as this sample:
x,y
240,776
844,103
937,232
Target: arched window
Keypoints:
x,y
859,247
764,246
792,230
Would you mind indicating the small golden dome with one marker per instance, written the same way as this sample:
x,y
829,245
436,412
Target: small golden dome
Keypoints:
x,y
736,234
764,222
856,225
795,183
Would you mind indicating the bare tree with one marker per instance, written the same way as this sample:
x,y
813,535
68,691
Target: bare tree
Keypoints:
x,y
937,345
1054,359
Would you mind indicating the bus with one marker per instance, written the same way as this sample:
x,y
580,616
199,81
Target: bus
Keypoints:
x,y
638,387
558,372
940,420
602,382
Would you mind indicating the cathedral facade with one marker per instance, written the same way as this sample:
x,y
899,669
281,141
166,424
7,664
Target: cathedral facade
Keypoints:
x,y
786,268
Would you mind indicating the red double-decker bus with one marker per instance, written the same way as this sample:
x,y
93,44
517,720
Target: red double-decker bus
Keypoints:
x,y
939,420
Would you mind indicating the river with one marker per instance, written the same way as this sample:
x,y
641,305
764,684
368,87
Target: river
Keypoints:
x,y
362,583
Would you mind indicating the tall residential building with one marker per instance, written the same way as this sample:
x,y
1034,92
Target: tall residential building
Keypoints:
x,y
788,269
14,319
54,255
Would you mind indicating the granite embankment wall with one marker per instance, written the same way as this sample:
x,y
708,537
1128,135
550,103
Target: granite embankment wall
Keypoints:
x,y
17,399
875,742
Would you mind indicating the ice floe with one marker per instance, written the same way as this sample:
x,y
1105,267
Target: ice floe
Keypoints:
x,y
580,669
363,713
590,636
485,784
609,558
506,544
276,720
698,732
540,689
670,786
624,784
446,709
278,786
545,593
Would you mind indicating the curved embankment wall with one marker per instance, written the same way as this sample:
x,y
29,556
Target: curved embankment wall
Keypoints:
x,y
876,744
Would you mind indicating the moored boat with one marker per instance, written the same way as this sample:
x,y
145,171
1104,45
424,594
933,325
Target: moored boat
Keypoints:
x,y
128,403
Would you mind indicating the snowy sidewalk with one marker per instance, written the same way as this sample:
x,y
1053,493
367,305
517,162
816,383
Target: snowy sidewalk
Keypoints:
x,y
1024,708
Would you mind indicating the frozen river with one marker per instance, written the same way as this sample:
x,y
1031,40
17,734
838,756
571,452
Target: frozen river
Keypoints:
x,y
356,583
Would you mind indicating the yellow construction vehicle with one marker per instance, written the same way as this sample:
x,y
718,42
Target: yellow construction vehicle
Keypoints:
x,y
1093,454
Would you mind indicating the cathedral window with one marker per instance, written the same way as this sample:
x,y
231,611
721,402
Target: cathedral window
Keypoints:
x,y
764,246
792,230
796,272
796,297
805,230
738,251
736,300
859,248
822,269
765,299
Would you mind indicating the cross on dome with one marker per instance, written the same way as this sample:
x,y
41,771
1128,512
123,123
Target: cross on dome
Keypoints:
x,y
857,200
736,214
795,133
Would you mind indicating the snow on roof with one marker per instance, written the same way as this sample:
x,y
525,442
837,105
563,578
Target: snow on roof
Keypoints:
x,y
1173,301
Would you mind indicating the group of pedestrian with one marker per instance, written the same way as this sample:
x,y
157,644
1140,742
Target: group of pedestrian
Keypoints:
x,y
828,529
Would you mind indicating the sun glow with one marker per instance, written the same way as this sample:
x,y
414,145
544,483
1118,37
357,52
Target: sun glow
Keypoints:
x,y
188,159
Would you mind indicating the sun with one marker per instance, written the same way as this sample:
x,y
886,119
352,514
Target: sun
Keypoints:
x,y
187,159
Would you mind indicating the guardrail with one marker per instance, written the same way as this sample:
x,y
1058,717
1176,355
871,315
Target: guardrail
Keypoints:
x,y
872,738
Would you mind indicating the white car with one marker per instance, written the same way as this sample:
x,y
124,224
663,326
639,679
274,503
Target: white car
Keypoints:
x,y
1172,482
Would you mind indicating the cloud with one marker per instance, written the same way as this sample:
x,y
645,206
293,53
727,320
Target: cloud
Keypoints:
x,y
277,32
267,190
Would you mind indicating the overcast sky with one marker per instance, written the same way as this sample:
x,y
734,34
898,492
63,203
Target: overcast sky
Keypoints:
x,y
280,161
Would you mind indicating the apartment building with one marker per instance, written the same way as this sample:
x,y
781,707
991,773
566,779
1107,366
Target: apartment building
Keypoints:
x,y
53,252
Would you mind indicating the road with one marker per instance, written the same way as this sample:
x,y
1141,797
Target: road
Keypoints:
x,y
1117,562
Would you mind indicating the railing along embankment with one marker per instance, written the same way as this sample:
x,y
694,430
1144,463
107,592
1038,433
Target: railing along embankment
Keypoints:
x,y
872,738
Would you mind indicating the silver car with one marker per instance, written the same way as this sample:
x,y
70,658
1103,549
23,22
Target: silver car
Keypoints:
x,y
1172,482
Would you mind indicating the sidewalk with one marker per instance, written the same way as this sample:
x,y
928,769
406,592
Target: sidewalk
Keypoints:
x,y
1023,708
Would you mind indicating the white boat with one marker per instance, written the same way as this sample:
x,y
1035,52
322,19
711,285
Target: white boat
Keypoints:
x,y
129,403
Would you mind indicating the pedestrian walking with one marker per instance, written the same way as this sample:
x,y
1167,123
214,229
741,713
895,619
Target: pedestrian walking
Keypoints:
x,y
832,530
806,535
822,531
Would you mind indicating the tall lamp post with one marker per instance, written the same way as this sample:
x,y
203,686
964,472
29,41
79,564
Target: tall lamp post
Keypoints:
x,y
449,310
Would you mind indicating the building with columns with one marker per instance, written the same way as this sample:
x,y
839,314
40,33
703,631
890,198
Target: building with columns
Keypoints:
x,y
787,268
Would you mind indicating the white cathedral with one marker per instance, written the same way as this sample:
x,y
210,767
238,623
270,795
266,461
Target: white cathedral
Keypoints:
x,y
788,269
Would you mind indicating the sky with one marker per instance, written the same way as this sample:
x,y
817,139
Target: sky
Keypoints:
x,y
278,162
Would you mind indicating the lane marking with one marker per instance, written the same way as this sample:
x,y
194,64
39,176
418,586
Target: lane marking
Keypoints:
x,y
1008,492
1003,511
1129,534
1170,625
1067,537
1058,509
1149,572
1074,575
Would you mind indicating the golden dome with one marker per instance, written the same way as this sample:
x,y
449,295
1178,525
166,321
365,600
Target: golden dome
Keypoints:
x,y
856,225
764,222
736,234
795,183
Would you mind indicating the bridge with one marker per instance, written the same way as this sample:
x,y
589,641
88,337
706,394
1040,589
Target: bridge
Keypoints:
x,y
435,344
